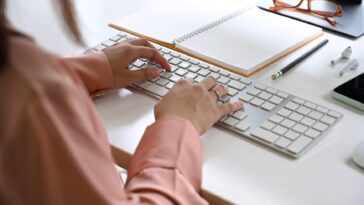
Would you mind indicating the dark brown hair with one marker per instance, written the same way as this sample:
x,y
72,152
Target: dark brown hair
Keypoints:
x,y
66,10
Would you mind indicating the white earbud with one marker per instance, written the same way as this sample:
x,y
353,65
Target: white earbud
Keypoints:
x,y
352,65
344,55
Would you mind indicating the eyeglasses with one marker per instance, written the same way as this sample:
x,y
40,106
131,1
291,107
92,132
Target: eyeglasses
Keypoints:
x,y
322,8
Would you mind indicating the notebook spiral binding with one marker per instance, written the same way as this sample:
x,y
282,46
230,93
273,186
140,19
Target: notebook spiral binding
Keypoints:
x,y
210,25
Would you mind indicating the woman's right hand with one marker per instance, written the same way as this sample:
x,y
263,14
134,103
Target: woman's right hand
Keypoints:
x,y
196,103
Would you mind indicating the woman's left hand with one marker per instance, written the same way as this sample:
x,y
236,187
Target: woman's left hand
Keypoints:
x,y
123,54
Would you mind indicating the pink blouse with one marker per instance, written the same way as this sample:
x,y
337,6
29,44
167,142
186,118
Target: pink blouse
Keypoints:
x,y
54,148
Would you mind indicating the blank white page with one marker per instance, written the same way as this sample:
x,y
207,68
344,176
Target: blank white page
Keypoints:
x,y
249,40
169,22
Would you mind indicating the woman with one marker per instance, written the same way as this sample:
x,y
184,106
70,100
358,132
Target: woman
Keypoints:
x,y
53,147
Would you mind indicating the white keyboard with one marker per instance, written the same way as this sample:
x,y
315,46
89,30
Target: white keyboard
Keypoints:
x,y
284,122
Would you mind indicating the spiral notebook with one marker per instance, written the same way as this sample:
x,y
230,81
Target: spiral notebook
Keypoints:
x,y
243,40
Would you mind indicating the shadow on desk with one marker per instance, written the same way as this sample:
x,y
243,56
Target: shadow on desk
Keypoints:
x,y
350,162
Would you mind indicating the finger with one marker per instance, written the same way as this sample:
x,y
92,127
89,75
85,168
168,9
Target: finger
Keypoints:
x,y
185,81
142,75
218,92
150,54
208,82
229,107
140,42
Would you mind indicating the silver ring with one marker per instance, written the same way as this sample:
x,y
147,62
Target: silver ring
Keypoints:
x,y
217,94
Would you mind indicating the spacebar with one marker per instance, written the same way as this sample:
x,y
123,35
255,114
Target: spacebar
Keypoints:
x,y
154,88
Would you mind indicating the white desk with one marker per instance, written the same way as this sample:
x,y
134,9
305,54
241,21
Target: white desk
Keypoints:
x,y
234,168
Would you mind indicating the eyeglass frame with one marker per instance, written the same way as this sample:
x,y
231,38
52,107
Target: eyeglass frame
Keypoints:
x,y
338,12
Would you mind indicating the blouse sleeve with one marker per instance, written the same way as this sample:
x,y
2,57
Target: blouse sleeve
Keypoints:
x,y
94,71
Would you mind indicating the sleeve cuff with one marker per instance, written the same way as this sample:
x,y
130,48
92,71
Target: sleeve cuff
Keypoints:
x,y
171,143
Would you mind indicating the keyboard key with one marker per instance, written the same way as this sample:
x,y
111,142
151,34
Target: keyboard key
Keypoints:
x,y
232,91
284,112
315,115
194,68
224,72
291,106
99,47
322,109
154,88
308,121
223,80
123,35
235,84
176,55
198,79
328,120
303,110
184,65
138,63
291,135
165,50
312,133
260,86
204,65
300,128
214,69
243,126
268,106
240,115
288,123
204,72
184,58
264,95
253,91
175,78
296,117
231,121
265,135
276,118
169,85
282,142
279,130
276,100
191,75
234,76
245,97
320,126
267,125
175,61
194,61
257,101
334,114
162,81
181,72
310,105
214,75
115,38
174,68
282,94
271,90
108,43
298,101
299,144
166,74
246,81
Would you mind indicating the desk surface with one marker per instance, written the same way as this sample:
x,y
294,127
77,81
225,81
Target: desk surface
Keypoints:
x,y
234,168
